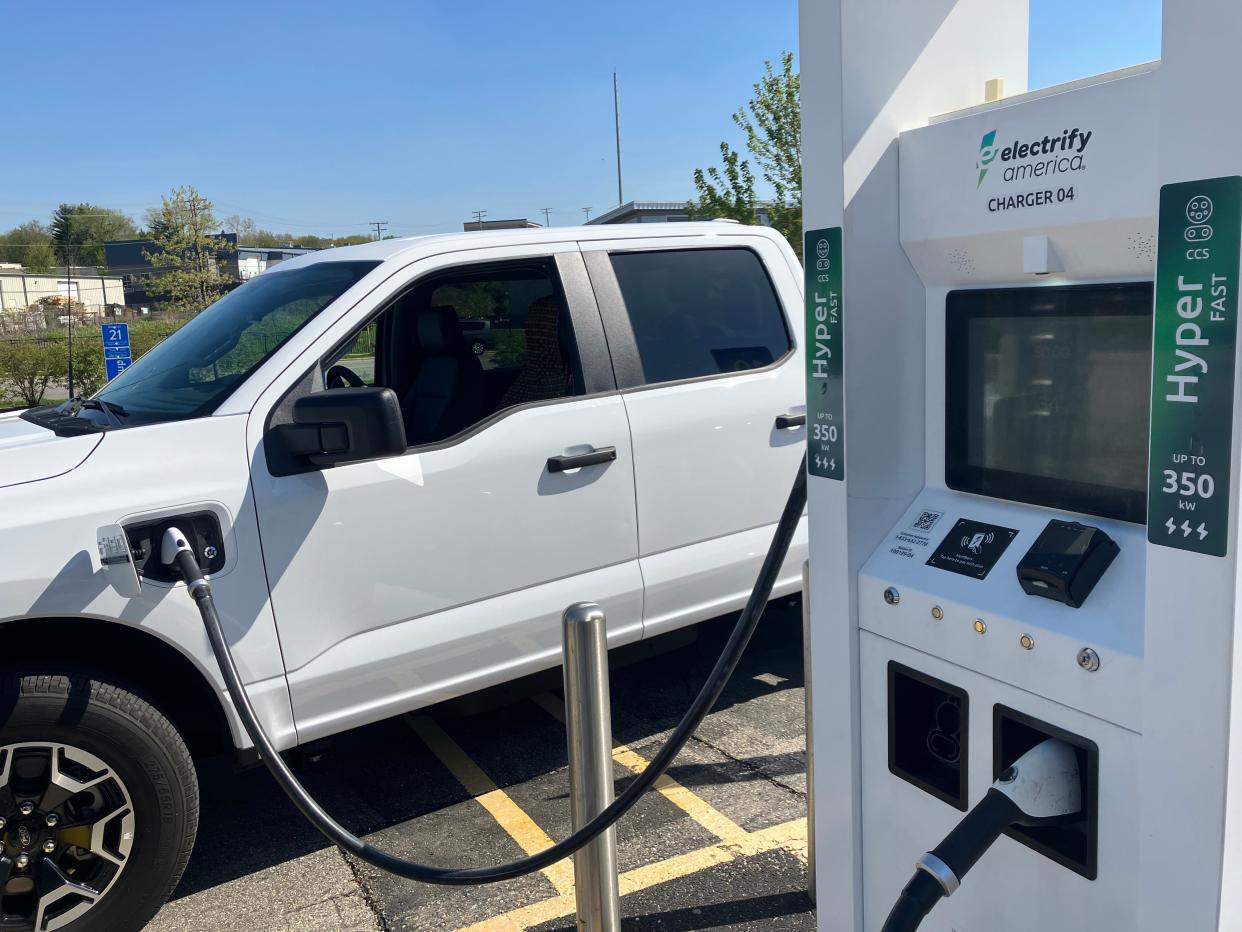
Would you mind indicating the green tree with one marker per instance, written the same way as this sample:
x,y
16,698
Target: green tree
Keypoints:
x,y
727,192
89,373
86,227
28,365
250,234
31,245
245,229
187,250
772,124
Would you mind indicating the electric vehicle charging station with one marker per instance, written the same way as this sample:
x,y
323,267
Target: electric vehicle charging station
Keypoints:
x,y
1023,447
995,559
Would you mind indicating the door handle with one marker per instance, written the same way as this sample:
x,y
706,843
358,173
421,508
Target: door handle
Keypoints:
x,y
577,460
786,421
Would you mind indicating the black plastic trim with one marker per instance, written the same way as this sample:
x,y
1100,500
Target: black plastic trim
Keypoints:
x,y
957,799
596,361
577,460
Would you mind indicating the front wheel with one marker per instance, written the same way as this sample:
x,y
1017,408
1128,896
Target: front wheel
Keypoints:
x,y
99,803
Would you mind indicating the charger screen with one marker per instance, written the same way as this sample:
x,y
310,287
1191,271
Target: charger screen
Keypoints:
x,y
1047,396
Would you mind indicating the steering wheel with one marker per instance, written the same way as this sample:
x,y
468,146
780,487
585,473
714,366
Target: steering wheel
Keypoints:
x,y
340,376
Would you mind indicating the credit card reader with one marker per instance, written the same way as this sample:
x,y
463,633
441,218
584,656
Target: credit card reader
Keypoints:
x,y
1066,561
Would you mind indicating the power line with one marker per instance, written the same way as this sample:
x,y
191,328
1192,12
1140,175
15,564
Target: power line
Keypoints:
x,y
380,226
547,216
587,211
265,217
478,217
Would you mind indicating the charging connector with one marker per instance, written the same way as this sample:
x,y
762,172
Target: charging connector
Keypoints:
x,y
1044,787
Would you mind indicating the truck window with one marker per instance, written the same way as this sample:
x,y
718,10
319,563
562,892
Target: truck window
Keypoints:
x,y
195,369
700,312
463,345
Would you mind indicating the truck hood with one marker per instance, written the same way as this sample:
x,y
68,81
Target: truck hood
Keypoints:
x,y
29,452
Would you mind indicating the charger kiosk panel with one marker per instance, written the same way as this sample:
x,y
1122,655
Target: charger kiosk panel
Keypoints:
x,y
998,263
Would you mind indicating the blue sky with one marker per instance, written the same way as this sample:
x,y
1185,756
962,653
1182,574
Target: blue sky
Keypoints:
x,y
320,117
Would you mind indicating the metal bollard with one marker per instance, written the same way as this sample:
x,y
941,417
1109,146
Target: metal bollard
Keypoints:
x,y
588,721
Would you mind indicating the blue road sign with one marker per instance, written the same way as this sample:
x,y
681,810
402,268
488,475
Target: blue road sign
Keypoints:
x,y
116,334
116,366
117,355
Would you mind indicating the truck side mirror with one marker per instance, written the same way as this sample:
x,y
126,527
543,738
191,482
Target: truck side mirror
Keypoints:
x,y
339,425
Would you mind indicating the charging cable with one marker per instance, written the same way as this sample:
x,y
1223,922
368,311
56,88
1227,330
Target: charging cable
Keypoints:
x,y
1042,788
176,551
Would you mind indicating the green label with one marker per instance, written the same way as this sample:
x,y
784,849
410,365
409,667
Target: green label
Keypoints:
x,y
825,375
1196,323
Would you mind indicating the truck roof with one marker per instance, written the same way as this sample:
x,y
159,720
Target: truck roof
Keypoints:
x,y
410,247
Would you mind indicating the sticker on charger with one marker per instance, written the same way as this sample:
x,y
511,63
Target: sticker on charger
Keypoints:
x,y
915,535
972,548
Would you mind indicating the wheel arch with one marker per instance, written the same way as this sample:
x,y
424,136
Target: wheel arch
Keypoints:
x,y
138,660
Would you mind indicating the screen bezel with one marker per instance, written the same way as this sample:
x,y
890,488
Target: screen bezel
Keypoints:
x,y
964,305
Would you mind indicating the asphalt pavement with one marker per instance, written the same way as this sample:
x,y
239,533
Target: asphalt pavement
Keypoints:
x,y
720,843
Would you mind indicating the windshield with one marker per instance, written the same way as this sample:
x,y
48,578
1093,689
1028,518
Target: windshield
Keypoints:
x,y
197,367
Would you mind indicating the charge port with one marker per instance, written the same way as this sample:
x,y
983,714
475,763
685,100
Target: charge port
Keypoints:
x,y
927,732
1072,844
203,530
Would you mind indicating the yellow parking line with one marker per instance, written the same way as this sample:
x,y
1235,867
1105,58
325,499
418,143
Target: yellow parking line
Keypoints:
x,y
508,814
694,806
788,835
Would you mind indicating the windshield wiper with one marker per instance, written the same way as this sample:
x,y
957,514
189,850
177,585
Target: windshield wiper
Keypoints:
x,y
113,411
108,407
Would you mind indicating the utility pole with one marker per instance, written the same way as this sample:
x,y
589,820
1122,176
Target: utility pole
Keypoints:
x,y
587,211
547,216
380,227
478,217
616,117
69,296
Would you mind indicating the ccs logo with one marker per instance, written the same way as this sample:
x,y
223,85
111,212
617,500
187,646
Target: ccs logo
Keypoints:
x,y
987,155
1200,208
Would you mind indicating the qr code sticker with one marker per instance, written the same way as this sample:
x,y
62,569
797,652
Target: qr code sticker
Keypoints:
x,y
926,521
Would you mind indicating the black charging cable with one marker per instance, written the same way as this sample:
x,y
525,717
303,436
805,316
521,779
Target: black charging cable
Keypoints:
x,y
1043,787
200,589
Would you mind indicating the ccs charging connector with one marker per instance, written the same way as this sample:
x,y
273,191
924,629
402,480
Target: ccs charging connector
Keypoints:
x,y
1043,787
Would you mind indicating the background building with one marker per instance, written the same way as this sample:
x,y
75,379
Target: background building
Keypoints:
x,y
21,290
520,224
660,212
127,258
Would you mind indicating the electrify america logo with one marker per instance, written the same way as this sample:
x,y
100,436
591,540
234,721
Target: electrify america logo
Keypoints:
x,y
1034,158
987,155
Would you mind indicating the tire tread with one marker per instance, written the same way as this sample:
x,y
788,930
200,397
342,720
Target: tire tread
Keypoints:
x,y
146,718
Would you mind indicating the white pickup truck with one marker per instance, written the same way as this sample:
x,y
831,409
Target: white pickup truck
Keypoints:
x,y
390,517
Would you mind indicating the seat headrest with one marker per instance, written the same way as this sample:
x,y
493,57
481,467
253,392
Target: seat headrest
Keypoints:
x,y
543,318
438,330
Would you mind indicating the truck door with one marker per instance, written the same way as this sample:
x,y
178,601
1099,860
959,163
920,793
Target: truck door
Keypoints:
x,y
408,580
711,373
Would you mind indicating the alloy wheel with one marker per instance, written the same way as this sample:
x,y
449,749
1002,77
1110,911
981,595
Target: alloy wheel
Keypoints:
x,y
66,834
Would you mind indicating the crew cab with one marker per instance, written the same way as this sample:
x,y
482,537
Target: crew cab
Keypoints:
x,y
391,516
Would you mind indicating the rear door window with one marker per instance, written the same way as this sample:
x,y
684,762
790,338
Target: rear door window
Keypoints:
x,y
700,312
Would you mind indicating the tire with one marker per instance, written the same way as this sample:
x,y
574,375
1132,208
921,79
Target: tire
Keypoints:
x,y
477,347
87,722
